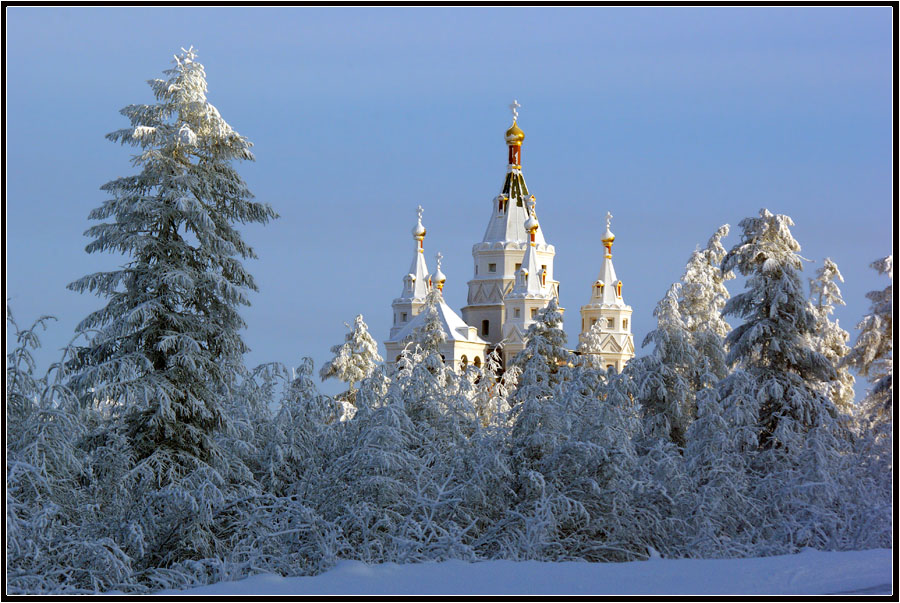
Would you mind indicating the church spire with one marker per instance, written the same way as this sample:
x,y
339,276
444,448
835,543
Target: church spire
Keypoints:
x,y
415,283
608,287
508,214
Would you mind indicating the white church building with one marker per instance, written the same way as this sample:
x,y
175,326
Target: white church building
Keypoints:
x,y
513,281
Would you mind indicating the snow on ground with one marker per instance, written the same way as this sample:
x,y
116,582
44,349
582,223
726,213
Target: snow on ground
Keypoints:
x,y
807,573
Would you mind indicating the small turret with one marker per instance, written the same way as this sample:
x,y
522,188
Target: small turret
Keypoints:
x,y
415,283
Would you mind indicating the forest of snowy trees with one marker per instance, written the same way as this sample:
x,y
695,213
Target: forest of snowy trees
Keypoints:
x,y
150,457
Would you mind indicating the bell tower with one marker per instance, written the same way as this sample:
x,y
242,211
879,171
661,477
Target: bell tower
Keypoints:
x,y
506,243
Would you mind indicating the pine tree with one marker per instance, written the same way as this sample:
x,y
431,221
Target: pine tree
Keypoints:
x,y
167,343
773,345
830,338
355,359
873,353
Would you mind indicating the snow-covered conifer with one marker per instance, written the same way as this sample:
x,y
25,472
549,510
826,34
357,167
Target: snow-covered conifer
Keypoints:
x,y
355,359
544,353
663,378
773,345
703,296
166,345
873,353
830,339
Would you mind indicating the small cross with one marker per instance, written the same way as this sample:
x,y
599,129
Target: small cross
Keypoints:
x,y
531,205
514,107
608,218
438,258
419,211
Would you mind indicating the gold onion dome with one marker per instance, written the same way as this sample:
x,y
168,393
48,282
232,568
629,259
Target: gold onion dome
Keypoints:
x,y
515,135
608,236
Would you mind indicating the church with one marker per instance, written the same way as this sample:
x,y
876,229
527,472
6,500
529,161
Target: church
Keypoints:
x,y
512,281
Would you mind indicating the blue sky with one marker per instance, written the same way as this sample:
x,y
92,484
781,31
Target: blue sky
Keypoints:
x,y
674,119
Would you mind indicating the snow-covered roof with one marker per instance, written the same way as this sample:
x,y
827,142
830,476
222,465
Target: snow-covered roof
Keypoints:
x,y
509,225
454,327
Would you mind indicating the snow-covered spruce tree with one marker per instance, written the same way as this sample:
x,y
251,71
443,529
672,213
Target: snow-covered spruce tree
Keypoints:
x,y
830,339
166,345
544,353
355,359
703,296
663,378
773,345
873,353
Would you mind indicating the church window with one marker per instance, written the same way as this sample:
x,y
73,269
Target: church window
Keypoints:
x,y
624,324
533,312
518,266
485,327
611,323
403,317
476,268
593,321
477,362
463,362
517,313
492,267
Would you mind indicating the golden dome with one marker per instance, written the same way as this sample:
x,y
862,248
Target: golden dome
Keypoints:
x,y
515,135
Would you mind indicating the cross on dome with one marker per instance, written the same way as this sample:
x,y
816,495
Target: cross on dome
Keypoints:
x,y
419,211
438,258
609,217
514,107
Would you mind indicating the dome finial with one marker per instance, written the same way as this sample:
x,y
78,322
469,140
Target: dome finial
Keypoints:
x,y
438,277
515,135
608,236
418,231
531,224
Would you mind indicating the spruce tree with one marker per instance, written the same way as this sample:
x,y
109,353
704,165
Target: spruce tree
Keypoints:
x,y
830,339
773,345
873,353
166,345
355,359
663,378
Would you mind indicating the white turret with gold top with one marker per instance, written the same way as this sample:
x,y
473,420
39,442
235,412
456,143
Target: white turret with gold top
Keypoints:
x,y
612,338
506,240
415,284
530,294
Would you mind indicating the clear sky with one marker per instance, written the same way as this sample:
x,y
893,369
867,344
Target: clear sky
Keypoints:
x,y
674,119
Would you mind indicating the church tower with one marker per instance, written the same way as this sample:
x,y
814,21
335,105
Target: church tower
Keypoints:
x,y
506,246
529,295
415,284
606,319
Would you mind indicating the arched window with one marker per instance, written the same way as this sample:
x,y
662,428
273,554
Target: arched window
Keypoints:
x,y
485,327
463,362
477,362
